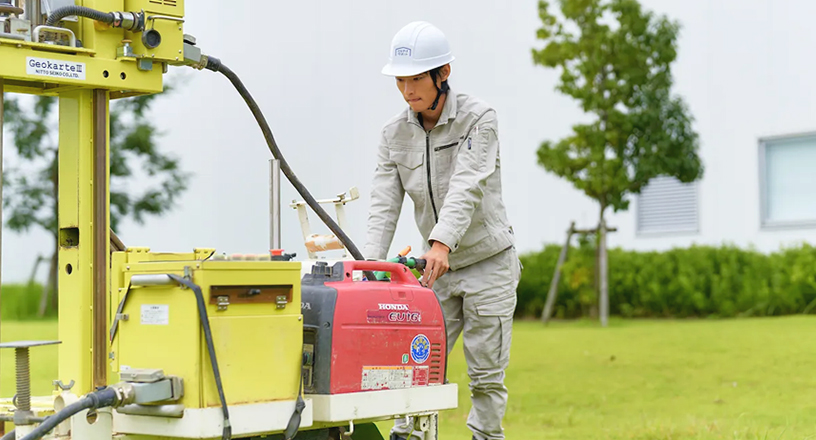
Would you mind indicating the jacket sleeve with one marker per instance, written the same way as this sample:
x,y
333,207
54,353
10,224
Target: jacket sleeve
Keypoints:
x,y
387,194
475,163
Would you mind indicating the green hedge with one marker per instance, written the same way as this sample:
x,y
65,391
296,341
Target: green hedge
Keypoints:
x,y
700,281
21,302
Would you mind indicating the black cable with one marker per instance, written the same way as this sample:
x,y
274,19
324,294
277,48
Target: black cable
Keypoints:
x,y
294,421
58,14
215,65
205,324
97,399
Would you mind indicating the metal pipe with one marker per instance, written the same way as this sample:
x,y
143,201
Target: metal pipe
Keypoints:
x,y
170,410
33,12
12,36
151,280
32,420
274,204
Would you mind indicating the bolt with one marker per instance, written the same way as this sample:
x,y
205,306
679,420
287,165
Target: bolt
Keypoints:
x,y
22,400
23,379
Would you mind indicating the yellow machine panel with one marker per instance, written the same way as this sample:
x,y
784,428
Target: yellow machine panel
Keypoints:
x,y
253,309
163,25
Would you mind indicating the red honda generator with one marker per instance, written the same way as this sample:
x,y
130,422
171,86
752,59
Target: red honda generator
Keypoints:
x,y
362,336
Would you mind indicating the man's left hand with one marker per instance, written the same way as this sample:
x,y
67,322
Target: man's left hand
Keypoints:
x,y
436,263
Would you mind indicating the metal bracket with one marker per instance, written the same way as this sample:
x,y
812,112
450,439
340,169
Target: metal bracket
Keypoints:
x,y
223,303
188,275
281,301
428,424
62,386
318,243
346,434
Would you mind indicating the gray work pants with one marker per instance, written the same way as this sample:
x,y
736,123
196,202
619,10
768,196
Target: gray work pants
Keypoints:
x,y
479,301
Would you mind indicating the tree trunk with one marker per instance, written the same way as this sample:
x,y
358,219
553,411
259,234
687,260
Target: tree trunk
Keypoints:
x,y
602,269
596,277
551,296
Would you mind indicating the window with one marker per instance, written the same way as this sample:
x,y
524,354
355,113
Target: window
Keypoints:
x,y
667,205
787,177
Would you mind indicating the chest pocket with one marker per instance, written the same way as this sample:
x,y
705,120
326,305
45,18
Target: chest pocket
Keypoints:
x,y
445,165
409,165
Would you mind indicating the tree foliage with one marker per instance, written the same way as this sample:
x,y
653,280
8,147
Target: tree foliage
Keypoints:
x,y
144,180
615,59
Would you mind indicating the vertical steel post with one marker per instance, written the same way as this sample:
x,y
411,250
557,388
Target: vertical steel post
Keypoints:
x,y
274,204
83,237
33,13
101,240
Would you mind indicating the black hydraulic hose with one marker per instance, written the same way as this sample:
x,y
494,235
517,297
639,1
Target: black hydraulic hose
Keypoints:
x,y
205,325
97,399
67,11
215,65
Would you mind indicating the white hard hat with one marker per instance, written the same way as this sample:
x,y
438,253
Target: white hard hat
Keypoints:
x,y
417,48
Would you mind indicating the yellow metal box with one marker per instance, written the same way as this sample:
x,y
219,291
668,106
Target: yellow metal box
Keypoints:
x,y
254,315
166,18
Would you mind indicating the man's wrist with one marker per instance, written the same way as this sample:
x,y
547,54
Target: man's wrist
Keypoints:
x,y
439,245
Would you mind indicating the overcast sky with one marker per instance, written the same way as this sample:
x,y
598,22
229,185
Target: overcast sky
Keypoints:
x,y
314,67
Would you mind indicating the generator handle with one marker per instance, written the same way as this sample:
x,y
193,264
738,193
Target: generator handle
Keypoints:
x,y
399,273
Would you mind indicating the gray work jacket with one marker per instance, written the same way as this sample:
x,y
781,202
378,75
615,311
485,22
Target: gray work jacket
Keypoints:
x,y
452,173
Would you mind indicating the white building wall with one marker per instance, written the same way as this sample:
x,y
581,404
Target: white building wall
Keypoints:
x,y
743,71
745,68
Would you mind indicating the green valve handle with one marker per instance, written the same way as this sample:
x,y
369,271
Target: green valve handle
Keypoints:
x,y
410,262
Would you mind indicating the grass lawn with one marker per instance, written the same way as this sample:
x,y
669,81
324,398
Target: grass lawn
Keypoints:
x,y
734,379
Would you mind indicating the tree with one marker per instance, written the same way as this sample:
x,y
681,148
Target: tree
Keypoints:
x,y
615,59
31,185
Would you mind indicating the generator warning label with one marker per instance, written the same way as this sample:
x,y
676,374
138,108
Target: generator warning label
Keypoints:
x,y
155,314
387,378
420,376
55,69
393,378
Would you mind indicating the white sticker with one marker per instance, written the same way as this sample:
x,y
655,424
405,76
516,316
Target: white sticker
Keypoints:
x,y
55,69
153,314
389,378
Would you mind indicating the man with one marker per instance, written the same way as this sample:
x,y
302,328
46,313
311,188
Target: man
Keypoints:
x,y
443,151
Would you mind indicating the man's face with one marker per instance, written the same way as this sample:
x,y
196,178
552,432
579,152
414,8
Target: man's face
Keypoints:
x,y
418,91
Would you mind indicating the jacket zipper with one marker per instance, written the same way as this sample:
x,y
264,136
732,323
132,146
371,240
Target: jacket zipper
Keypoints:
x,y
428,163
445,147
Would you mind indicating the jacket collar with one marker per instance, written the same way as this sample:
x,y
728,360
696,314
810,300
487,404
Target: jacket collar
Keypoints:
x,y
449,110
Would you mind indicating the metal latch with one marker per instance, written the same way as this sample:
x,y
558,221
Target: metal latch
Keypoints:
x,y
281,301
223,302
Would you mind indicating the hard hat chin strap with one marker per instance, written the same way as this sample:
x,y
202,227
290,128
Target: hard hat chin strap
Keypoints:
x,y
439,91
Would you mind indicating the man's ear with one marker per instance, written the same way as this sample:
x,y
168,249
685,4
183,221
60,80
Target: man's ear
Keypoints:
x,y
444,72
